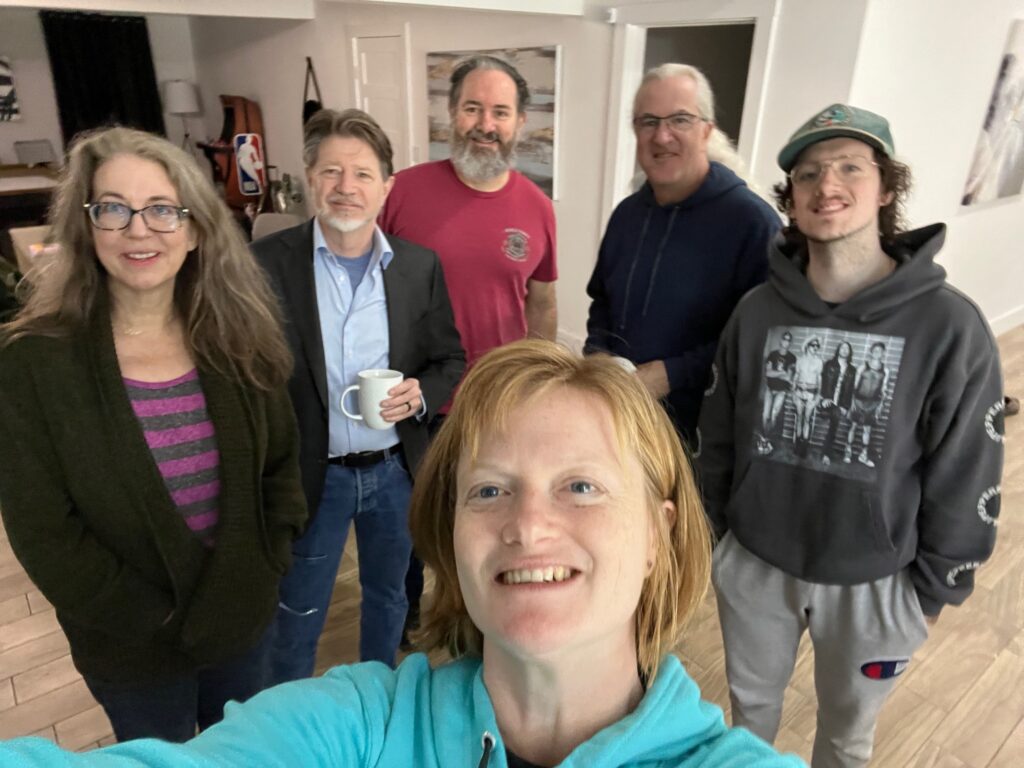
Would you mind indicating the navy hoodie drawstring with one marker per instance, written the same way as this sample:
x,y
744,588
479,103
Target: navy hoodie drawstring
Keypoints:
x,y
487,741
657,259
632,269
654,267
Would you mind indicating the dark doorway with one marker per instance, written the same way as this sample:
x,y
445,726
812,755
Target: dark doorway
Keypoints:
x,y
720,51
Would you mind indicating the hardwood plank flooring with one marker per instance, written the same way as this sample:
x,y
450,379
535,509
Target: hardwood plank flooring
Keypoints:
x,y
960,704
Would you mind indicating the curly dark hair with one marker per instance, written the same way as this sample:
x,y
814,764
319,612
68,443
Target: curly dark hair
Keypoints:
x,y
891,218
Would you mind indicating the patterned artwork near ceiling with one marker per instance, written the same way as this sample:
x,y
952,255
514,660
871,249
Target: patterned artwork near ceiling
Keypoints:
x,y
537,148
8,97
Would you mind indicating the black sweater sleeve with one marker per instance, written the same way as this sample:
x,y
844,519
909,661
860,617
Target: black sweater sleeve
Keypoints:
x,y
960,499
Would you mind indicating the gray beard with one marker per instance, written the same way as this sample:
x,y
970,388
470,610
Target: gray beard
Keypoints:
x,y
480,165
343,225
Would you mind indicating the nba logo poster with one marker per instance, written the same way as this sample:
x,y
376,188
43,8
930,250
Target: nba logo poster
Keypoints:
x,y
249,161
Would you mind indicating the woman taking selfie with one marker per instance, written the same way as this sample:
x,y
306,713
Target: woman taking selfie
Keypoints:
x,y
569,547
148,452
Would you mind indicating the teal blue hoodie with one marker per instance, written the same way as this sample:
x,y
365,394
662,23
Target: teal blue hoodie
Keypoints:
x,y
368,715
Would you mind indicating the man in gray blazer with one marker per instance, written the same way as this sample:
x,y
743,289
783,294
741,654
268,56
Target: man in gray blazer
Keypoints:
x,y
353,300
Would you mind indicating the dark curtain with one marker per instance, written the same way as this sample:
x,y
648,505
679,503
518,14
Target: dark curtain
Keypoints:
x,y
102,71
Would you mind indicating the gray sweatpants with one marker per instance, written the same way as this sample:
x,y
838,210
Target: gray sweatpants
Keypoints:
x,y
863,636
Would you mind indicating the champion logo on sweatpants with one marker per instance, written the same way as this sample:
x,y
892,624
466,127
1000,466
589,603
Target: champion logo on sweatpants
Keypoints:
x,y
883,670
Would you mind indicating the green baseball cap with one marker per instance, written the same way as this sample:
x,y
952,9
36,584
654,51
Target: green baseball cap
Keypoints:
x,y
833,121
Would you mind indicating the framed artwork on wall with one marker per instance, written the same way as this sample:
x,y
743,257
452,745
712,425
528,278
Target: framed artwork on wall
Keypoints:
x,y
8,96
997,170
536,152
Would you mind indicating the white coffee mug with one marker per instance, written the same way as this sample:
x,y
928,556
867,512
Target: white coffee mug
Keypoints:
x,y
373,387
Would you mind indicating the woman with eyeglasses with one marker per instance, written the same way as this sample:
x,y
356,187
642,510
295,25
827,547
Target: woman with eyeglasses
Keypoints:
x,y
560,517
149,482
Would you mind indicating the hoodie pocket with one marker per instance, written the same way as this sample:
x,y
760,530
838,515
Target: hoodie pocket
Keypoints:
x,y
812,525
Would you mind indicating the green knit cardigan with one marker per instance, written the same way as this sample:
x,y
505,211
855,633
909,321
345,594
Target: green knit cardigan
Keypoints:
x,y
87,513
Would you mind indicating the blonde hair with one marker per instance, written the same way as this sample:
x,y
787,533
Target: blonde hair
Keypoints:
x,y
507,378
232,321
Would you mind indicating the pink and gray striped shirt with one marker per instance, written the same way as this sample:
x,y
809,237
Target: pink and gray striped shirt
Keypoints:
x,y
181,437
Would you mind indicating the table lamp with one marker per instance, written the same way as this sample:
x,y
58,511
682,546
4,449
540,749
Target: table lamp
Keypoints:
x,y
181,98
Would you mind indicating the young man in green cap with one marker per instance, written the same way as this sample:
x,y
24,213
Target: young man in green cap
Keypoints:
x,y
863,552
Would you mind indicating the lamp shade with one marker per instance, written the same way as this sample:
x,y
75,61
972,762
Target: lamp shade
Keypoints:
x,y
180,98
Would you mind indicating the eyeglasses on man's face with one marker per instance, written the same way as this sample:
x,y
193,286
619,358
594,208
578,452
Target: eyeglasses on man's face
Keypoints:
x,y
677,122
160,217
847,168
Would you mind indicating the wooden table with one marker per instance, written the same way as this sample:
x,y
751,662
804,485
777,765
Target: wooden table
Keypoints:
x,y
24,199
25,194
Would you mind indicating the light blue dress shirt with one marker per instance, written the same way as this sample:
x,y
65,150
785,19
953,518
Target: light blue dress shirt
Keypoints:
x,y
354,328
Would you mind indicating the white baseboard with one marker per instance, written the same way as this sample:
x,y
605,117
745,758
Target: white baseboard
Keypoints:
x,y
1007,321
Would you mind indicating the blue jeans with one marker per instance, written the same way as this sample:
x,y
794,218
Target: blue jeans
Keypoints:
x,y
376,499
172,710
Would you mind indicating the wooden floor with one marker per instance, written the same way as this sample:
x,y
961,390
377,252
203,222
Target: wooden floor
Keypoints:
x,y
961,702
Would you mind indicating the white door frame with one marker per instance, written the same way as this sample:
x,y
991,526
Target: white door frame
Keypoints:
x,y
396,29
630,37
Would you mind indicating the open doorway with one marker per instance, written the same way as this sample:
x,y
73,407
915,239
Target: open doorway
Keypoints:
x,y
720,51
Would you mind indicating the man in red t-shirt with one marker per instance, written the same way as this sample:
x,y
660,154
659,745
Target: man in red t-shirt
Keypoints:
x,y
493,229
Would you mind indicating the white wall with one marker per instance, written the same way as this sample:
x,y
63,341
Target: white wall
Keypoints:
x,y
264,60
929,68
21,39
811,65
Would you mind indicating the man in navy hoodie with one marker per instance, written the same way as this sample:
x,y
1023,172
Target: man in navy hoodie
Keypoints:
x,y
678,254
865,552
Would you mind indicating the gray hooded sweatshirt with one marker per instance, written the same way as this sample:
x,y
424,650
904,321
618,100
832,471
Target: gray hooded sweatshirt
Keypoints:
x,y
903,474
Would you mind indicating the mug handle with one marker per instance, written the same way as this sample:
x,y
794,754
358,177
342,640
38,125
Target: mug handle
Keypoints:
x,y
344,410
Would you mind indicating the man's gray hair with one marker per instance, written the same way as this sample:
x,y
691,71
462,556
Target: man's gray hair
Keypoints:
x,y
705,96
721,148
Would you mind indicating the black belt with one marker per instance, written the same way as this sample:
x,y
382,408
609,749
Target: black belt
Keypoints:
x,y
365,459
